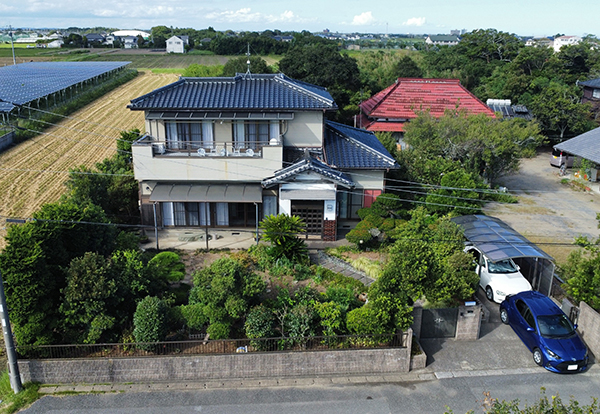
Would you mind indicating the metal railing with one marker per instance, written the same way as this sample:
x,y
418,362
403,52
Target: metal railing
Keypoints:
x,y
211,149
213,347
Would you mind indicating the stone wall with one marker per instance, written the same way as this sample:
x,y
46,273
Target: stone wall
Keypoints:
x,y
589,327
205,367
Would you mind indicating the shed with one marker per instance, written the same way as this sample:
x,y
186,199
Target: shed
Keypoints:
x,y
498,241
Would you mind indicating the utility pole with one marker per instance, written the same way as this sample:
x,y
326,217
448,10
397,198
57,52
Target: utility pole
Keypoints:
x,y
10,33
13,367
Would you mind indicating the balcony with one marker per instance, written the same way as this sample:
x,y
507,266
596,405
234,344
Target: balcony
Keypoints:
x,y
197,161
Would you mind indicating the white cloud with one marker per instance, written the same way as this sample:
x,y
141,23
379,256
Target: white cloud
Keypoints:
x,y
414,21
246,15
363,19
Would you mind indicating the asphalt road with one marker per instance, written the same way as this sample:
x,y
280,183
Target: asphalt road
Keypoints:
x,y
459,394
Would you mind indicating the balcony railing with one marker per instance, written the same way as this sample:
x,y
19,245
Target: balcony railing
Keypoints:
x,y
214,149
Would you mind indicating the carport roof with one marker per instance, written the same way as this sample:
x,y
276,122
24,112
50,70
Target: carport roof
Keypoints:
x,y
496,239
584,145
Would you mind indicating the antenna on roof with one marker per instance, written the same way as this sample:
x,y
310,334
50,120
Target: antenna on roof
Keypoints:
x,y
248,62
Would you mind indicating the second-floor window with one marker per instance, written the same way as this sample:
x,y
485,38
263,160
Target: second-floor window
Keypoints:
x,y
254,134
189,136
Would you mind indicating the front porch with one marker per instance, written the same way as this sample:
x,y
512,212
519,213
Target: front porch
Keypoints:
x,y
218,238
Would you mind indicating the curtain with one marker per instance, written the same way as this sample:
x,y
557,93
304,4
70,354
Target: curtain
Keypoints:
x,y
269,206
167,214
207,135
222,214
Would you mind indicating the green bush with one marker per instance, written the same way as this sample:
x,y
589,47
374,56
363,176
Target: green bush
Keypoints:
x,y
169,265
364,321
150,321
218,330
260,323
193,316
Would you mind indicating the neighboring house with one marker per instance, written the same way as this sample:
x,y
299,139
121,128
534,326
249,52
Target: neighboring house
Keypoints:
x,y
565,41
586,146
505,108
177,44
226,152
55,43
390,109
442,40
134,33
129,42
591,94
285,38
540,42
95,38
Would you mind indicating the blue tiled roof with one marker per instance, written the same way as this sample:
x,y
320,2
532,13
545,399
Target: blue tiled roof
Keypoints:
x,y
345,147
592,83
251,92
308,164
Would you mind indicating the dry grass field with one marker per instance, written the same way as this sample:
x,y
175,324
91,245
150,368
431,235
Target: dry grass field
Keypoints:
x,y
33,173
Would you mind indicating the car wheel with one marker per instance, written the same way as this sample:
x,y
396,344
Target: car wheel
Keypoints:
x,y
489,293
538,358
504,316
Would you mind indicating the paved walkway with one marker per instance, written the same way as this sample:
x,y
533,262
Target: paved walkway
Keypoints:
x,y
339,266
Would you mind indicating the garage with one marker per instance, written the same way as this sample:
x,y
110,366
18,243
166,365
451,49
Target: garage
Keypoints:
x,y
498,241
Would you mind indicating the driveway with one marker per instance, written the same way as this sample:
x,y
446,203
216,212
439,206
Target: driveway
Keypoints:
x,y
549,213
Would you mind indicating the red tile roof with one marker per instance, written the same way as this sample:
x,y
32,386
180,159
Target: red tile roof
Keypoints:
x,y
402,100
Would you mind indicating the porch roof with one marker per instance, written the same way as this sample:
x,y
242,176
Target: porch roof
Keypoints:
x,y
215,193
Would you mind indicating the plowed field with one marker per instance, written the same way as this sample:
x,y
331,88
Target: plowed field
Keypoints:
x,y
34,172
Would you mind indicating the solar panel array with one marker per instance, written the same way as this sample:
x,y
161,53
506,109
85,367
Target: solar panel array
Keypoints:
x,y
26,82
511,111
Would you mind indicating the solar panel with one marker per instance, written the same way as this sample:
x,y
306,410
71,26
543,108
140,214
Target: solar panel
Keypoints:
x,y
26,82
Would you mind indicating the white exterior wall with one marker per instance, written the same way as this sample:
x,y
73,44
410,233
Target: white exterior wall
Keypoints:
x,y
368,179
175,45
305,130
149,167
285,207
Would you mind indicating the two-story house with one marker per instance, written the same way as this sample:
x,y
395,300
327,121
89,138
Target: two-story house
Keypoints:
x,y
177,44
226,152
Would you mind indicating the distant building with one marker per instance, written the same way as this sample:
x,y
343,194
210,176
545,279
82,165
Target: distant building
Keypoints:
x,y
442,40
177,44
540,42
134,33
565,41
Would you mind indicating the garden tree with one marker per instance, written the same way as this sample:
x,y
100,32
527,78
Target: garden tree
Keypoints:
x,y
282,232
201,71
74,40
226,289
379,69
160,34
150,321
33,261
367,320
559,111
408,68
240,65
110,186
260,323
582,271
449,196
388,141
489,45
89,300
323,65
427,261
332,318
485,146
169,265
376,221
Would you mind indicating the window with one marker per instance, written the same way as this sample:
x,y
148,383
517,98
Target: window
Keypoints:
x,y
596,93
191,214
254,134
189,136
350,201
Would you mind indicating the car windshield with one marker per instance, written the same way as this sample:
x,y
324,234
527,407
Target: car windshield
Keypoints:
x,y
502,266
555,326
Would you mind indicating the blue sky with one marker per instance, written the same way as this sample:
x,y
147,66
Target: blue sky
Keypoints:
x,y
523,17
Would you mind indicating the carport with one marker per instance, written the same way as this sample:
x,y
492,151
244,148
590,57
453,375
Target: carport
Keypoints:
x,y
498,241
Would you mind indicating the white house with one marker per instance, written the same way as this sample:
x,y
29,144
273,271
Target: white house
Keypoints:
x,y
565,41
177,44
226,152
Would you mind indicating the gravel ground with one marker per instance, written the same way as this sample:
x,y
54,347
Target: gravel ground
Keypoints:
x,y
549,212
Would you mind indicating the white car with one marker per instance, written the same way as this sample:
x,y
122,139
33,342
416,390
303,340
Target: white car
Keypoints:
x,y
498,279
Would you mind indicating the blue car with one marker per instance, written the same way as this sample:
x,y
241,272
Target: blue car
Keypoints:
x,y
546,331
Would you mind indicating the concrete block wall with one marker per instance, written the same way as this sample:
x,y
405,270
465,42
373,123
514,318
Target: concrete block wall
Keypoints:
x,y
468,323
205,367
589,327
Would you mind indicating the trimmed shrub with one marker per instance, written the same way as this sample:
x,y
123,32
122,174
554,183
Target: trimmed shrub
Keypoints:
x,y
150,321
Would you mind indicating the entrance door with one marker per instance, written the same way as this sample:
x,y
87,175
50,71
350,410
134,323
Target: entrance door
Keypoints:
x,y
312,214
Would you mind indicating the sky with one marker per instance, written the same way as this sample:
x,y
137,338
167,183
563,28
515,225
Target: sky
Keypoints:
x,y
522,17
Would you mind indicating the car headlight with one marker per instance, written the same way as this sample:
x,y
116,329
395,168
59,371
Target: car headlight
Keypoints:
x,y
500,293
552,354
